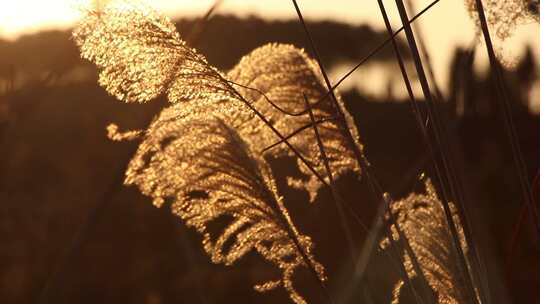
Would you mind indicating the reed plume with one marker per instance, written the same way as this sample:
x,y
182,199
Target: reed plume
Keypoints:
x,y
209,174
141,56
203,152
503,18
285,75
421,220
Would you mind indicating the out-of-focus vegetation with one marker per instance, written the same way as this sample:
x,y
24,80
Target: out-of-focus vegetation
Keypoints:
x,y
57,165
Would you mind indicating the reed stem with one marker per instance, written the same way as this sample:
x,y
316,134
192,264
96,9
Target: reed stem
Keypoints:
x,y
444,158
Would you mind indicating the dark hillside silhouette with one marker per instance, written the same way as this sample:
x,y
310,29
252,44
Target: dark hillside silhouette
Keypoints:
x,y
56,165
53,52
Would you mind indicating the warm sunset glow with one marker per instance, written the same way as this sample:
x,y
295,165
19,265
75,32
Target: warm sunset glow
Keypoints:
x,y
17,17
445,27
269,151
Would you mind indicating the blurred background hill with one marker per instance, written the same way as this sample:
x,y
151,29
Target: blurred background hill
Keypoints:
x,y
57,168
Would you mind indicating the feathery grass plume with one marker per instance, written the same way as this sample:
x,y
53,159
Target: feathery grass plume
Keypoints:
x,y
208,173
503,18
284,74
141,55
421,219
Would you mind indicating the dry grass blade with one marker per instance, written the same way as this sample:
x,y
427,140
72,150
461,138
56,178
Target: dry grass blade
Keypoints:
x,y
449,179
425,53
209,174
422,220
418,115
401,64
335,194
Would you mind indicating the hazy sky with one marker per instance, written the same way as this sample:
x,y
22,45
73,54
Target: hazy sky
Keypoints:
x,y
20,16
444,27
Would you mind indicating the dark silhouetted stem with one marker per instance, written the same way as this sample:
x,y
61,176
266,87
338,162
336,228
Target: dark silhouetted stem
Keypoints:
x,y
437,134
504,102
425,52
337,201
377,49
359,156
296,132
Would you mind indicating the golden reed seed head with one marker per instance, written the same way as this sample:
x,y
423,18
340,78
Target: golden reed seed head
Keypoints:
x,y
422,220
141,56
504,17
202,153
208,173
285,74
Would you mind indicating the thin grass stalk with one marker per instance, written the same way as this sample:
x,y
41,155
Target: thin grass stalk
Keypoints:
x,y
504,102
371,239
96,213
339,114
304,255
443,128
478,273
304,160
393,254
337,109
402,68
479,270
296,132
466,275
364,60
344,129
200,25
516,230
403,242
424,51
273,104
378,220
455,149
339,205
348,235
476,256
433,115
377,49
418,116
360,158
283,139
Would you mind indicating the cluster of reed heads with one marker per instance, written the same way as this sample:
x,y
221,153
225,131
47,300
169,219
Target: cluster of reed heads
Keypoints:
x,y
206,154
